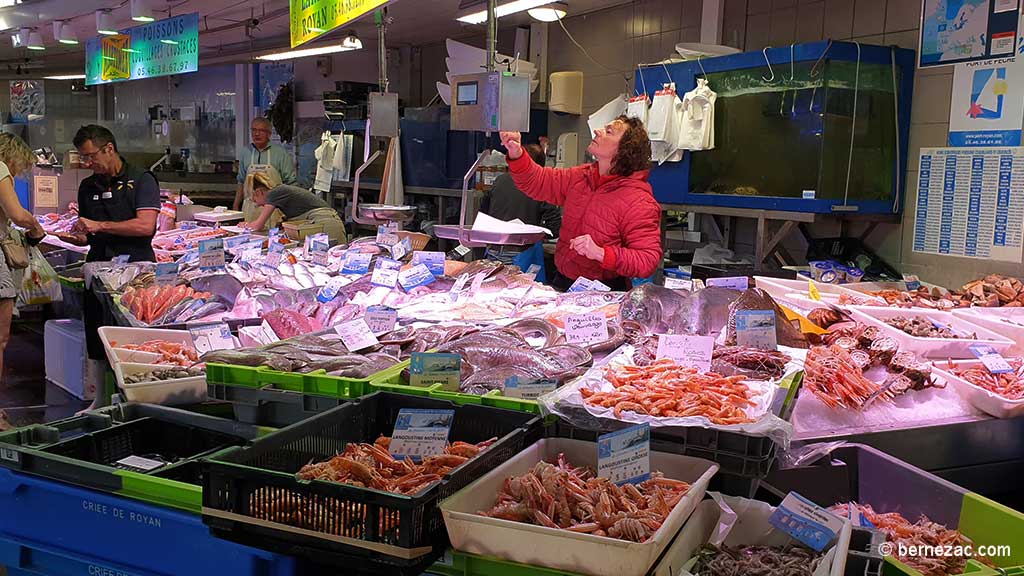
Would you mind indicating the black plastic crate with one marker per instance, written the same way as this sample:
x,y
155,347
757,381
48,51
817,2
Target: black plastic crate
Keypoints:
x,y
270,407
340,523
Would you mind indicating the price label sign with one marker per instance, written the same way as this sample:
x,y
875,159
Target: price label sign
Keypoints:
x,y
188,225
434,261
418,275
912,281
420,433
528,390
208,337
274,254
381,319
121,259
167,273
273,237
756,329
812,291
330,290
211,254
586,328
806,521
992,360
586,285
686,350
263,334
426,369
387,234
356,335
401,248
624,456
385,273
318,246
231,245
478,281
678,283
458,286
734,282
250,255
356,263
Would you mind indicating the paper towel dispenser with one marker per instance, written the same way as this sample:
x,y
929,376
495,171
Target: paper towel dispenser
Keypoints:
x,y
567,152
566,93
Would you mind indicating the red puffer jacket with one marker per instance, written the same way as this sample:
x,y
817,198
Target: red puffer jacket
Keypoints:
x,y
619,212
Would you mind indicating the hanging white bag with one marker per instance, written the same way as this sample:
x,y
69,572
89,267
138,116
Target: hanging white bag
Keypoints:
x,y
639,107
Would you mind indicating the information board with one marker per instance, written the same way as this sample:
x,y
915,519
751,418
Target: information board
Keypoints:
x,y
970,203
160,48
954,31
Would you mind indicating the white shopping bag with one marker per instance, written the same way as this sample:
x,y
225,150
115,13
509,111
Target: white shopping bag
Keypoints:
x,y
665,117
638,108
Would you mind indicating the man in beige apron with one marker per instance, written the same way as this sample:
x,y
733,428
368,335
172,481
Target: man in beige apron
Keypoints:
x,y
259,157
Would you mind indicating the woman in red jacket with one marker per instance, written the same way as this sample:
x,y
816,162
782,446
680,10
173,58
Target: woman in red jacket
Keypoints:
x,y
611,223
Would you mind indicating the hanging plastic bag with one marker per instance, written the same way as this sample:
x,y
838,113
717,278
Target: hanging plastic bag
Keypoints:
x,y
325,163
663,126
638,108
39,283
698,119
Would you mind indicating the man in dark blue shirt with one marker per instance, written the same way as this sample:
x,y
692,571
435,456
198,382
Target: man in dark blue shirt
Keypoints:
x,y
117,205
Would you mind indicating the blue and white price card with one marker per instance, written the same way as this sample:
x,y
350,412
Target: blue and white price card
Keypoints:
x,y
587,285
275,251
167,273
381,319
528,389
992,360
401,248
385,273
330,290
188,225
624,456
426,368
458,287
434,261
387,234
912,281
420,433
356,263
356,335
121,259
208,337
211,254
418,275
273,235
318,246
806,521
733,282
678,283
231,245
756,329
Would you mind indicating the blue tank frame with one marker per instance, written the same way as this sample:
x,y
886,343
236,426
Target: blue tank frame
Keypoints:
x,y
671,180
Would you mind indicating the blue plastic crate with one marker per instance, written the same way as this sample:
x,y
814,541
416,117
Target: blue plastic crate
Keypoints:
x,y
56,529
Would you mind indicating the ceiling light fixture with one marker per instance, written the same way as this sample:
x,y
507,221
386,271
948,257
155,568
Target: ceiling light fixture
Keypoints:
x,y
352,41
168,41
331,49
65,77
105,23
35,41
64,33
551,13
141,11
480,16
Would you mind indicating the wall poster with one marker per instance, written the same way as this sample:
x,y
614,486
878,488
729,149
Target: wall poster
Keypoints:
x,y
954,31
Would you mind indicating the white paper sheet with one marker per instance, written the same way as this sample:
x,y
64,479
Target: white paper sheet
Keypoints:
x,y
607,113
487,223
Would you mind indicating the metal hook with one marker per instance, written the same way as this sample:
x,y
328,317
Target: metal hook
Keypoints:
x,y
769,63
701,64
792,58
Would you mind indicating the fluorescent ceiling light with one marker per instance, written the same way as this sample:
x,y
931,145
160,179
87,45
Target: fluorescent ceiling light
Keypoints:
x,y
306,52
64,33
35,41
130,50
550,13
141,11
352,41
66,77
168,41
480,16
105,23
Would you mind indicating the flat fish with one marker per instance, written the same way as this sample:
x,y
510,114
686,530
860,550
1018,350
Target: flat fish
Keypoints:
x,y
484,381
528,326
786,334
224,285
497,338
490,357
570,355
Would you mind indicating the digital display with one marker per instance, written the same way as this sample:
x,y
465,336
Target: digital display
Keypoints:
x,y
466,93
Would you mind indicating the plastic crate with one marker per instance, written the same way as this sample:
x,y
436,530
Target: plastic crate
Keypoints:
x,y
856,472
269,407
370,518
318,382
56,529
83,450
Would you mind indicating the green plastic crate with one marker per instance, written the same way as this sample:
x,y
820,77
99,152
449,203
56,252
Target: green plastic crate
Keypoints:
x,y
317,383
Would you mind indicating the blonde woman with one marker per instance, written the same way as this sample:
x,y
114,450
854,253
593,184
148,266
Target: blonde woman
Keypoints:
x,y
296,204
15,158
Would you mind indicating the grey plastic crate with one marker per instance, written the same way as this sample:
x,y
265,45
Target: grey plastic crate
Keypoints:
x,y
269,407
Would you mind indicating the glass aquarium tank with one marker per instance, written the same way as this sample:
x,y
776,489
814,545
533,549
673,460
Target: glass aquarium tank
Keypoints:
x,y
819,130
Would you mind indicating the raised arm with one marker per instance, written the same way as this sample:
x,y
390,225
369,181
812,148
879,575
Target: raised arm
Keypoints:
x,y
545,184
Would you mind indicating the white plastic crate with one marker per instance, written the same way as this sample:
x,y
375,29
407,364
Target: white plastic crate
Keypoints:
x,y
67,362
562,549
174,392
982,399
122,361
1006,321
935,348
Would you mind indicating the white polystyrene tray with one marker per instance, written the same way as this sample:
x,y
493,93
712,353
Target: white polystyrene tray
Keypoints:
x,y
982,399
118,356
174,392
783,286
936,348
561,549
992,318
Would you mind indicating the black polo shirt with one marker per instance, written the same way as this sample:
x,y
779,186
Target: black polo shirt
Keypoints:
x,y
116,199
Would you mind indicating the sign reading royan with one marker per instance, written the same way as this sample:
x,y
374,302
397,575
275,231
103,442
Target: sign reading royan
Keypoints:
x,y
159,48
312,18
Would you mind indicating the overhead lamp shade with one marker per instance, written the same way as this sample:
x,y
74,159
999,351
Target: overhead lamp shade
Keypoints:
x,y
64,33
550,13
352,42
105,23
35,41
141,11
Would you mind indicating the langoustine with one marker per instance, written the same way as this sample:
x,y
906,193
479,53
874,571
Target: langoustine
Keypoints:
x,y
569,498
1009,385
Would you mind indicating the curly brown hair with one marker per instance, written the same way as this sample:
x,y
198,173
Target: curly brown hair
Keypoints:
x,y
634,148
